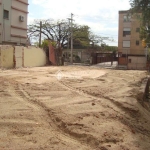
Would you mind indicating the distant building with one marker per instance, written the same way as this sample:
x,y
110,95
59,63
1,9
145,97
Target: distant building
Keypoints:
x,y
13,21
129,41
132,54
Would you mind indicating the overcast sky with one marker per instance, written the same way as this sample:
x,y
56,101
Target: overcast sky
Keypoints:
x,y
100,15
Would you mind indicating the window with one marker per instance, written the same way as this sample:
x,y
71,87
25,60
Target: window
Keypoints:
x,y
126,44
6,14
126,31
137,29
137,42
126,18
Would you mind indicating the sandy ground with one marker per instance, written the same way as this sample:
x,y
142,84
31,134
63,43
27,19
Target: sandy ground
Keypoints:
x,y
72,108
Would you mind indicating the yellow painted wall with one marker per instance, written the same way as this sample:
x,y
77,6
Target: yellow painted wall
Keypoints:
x,y
34,57
6,57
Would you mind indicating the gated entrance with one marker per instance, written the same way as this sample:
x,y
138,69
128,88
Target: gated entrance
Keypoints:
x,y
103,57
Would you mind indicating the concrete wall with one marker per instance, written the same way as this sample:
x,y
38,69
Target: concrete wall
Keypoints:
x,y
135,62
34,57
6,56
84,54
19,56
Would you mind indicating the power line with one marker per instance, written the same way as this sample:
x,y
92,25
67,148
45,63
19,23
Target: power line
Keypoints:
x,y
107,34
97,18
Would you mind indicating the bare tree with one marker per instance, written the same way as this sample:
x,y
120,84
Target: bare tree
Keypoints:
x,y
50,30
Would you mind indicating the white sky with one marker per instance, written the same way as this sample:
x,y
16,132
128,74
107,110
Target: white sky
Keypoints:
x,y
100,15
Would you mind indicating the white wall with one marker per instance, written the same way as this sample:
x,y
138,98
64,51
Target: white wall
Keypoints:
x,y
137,62
6,56
34,57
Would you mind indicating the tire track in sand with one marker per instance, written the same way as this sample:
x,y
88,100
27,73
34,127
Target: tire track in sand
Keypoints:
x,y
111,104
20,93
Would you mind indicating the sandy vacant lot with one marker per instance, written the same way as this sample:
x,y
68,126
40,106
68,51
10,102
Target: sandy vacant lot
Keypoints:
x,y
72,108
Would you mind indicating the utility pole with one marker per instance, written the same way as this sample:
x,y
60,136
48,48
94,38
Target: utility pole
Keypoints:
x,y
71,36
59,25
71,40
68,33
40,33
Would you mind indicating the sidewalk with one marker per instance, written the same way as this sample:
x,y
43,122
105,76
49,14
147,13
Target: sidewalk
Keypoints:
x,y
107,65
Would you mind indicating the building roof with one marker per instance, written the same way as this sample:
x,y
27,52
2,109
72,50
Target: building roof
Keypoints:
x,y
123,11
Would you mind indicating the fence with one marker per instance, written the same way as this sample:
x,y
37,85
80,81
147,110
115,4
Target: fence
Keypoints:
x,y
19,56
103,57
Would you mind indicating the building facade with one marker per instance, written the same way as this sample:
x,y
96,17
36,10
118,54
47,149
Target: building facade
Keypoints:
x,y
129,41
132,54
13,21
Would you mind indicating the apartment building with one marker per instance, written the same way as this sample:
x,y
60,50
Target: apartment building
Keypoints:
x,y
129,43
13,21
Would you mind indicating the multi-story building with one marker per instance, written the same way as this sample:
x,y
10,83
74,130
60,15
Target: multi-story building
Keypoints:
x,y
13,21
133,54
129,41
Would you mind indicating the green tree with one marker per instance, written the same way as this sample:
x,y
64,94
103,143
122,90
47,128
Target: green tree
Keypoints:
x,y
142,7
60,32
111,48
81,36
